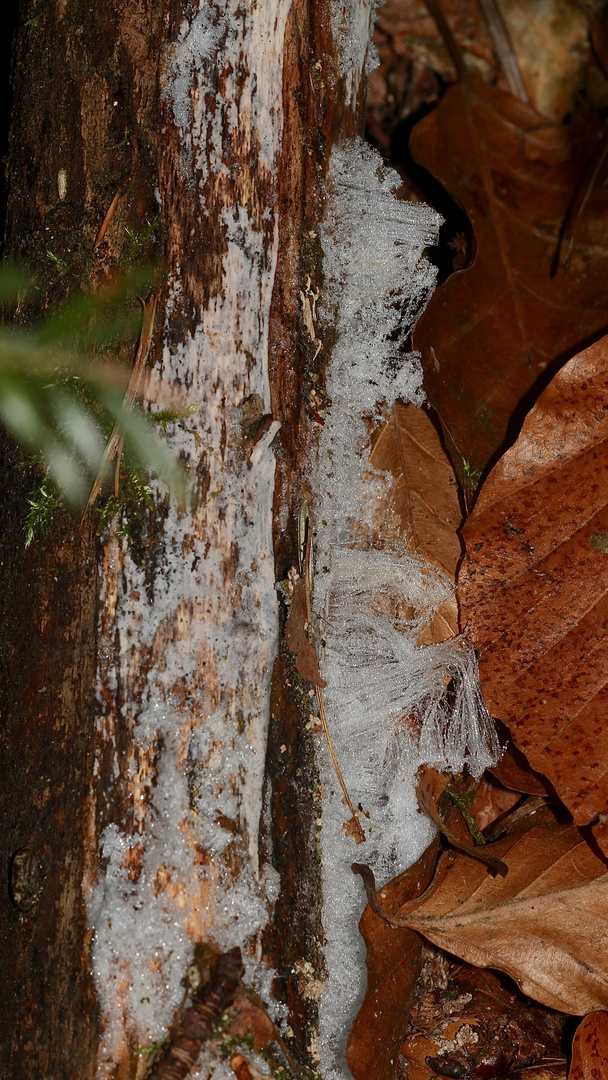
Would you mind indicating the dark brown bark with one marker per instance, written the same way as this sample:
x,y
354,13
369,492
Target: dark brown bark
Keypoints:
x,y
73,62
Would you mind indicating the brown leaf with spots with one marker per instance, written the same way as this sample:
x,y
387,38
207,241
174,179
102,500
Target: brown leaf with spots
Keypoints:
x,y
424,506
545,924
491,331
590,1048
393,963
533,587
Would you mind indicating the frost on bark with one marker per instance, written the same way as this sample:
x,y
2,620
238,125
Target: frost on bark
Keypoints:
x,y
137,701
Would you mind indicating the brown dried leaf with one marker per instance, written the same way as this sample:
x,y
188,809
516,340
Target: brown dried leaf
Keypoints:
x,y
534,585
253,1020
514,771
590,1048
492,802
393,963
296,637
353,828
424,505
544,924
433,794
494,328
425,495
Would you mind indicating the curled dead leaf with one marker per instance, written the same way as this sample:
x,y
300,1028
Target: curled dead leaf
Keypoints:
x,y
446,799
545,924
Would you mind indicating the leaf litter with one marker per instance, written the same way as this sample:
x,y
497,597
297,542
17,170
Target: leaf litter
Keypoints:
x,y
492,337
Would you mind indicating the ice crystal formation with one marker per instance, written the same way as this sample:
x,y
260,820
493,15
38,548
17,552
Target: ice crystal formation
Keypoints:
x,y
377,281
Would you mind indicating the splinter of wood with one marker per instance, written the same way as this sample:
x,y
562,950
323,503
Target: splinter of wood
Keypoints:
x,y
200,1020
353,827
116,440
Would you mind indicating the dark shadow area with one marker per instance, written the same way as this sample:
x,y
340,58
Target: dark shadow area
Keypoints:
x,y
455,249
10,22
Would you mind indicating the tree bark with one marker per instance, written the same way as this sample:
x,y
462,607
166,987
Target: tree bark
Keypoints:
x,y
126,658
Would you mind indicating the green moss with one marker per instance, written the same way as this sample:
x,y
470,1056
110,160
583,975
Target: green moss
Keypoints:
x,y
134,502
43,501
138,245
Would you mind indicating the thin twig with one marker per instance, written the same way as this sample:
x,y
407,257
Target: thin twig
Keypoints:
x,y
360,835
256,999
448,38
305,558
116,440
504,49
578,202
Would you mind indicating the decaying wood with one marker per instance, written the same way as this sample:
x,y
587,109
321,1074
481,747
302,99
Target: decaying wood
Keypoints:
x,y
112,160
70,150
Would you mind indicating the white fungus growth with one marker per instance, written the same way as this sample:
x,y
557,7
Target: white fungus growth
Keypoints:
x,y
142,906
372,603
352,22
196,44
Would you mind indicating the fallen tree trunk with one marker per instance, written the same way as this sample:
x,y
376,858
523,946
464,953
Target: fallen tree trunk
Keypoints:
x,y
138,670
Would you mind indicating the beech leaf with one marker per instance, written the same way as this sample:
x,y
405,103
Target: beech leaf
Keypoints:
x,y
533,587
545,924
590,1048
425,495
424,504
493,329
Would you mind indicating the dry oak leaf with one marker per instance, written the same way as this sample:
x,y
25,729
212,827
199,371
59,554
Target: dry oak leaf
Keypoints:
x,y
533,587
545,924
393,963
424,503
590,1048
490,331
